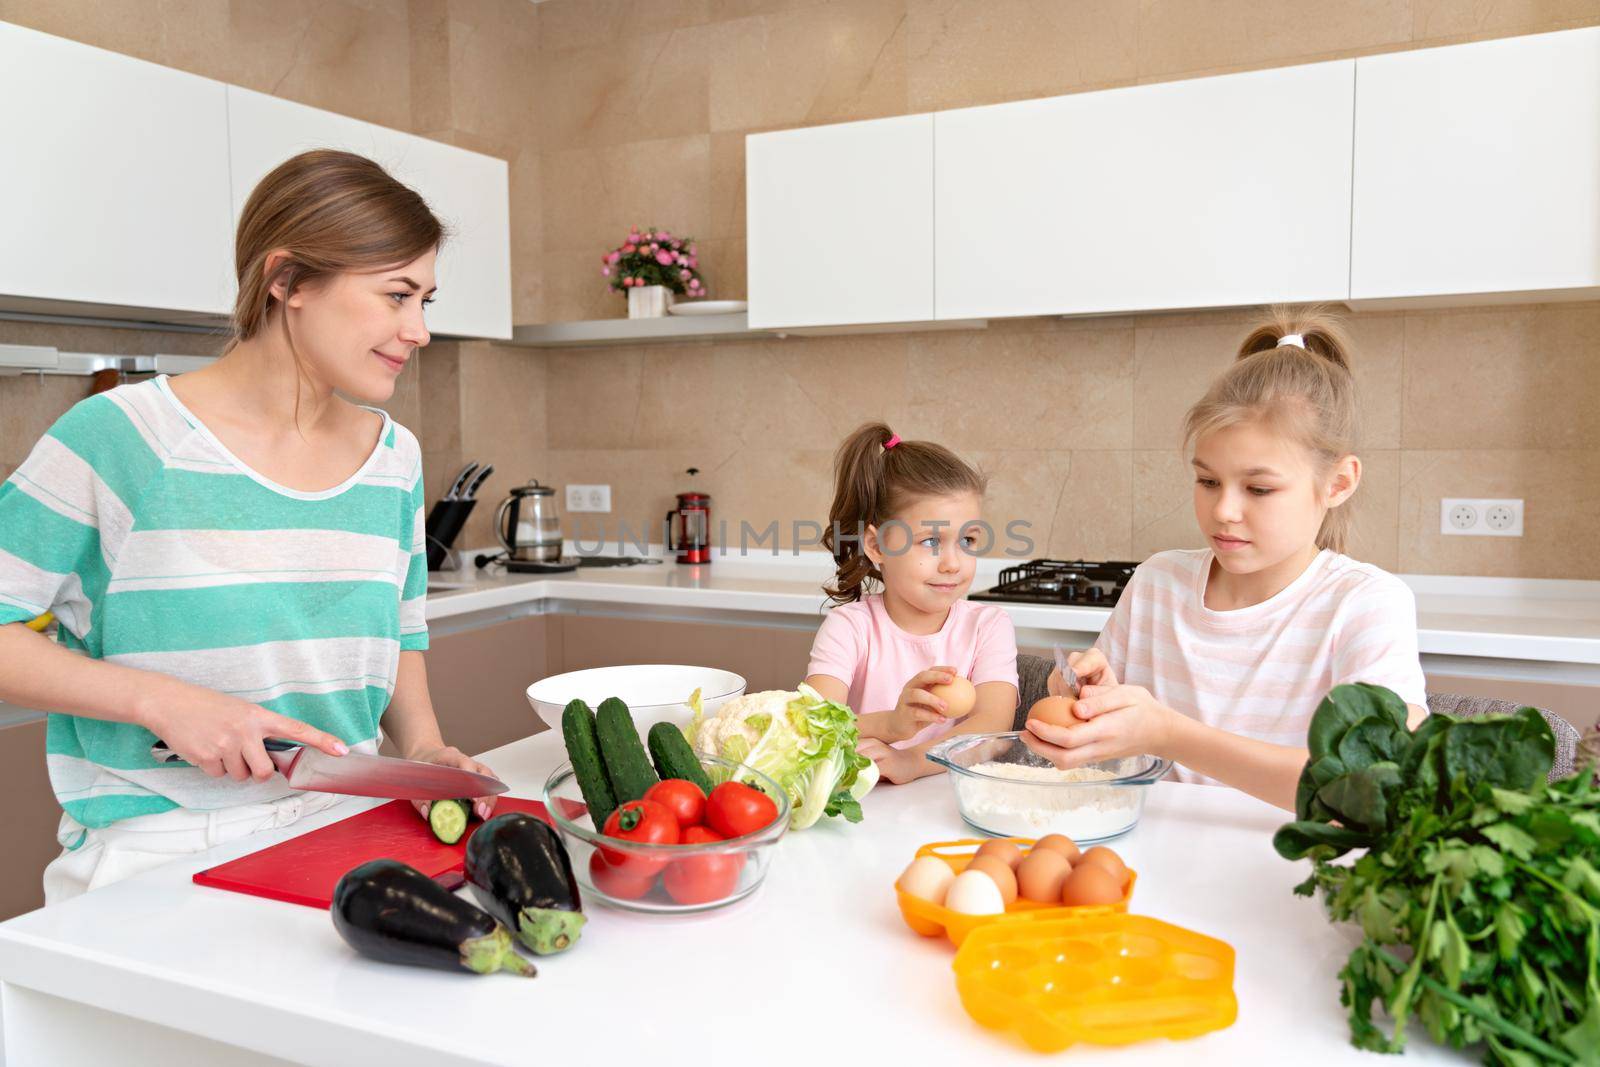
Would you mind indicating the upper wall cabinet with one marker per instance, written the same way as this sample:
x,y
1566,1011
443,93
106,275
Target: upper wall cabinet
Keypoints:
x,y
113,185
1478,170
1204,193
465,189
840,224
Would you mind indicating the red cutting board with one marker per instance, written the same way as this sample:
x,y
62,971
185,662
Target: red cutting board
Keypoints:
x,y
304,869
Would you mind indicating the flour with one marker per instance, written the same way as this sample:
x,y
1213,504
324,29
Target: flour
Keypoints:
x,y
1029,805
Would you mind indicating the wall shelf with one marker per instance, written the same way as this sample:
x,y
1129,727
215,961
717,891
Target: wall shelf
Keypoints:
x,y
689,328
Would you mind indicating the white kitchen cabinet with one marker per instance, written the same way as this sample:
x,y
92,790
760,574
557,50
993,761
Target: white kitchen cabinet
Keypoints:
x,y
469,191
1210,192
840,224
1478,170
114,185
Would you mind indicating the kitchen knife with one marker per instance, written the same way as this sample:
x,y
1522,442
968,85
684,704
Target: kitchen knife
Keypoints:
x,y
461,481
477,481
1069,677
361,775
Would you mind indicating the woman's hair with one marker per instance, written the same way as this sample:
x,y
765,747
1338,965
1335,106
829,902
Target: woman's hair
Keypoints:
x,y
1292,374
875,477
331,212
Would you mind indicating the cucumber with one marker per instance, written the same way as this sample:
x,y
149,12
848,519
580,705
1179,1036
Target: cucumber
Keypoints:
x,y
448,819
626,760
588,766
674,758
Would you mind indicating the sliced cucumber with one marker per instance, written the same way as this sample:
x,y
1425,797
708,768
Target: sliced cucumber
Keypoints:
x,y
448,819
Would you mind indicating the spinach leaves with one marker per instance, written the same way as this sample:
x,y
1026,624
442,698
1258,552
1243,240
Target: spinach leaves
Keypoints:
x,y
1479,892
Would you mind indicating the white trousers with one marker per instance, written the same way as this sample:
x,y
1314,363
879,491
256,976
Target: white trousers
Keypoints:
x,y
136,845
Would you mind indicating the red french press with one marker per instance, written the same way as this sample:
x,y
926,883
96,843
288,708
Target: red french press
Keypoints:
x,y
689,526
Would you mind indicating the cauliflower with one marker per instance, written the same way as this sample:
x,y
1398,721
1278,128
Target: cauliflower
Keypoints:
x,y
805,743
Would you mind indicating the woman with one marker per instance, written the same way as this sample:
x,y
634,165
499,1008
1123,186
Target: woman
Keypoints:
x,y
237,553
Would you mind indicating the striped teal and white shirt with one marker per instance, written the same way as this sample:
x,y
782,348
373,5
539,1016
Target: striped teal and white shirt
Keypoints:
x,y
156,548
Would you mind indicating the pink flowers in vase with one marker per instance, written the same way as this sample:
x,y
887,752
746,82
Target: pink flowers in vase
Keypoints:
x,y
654,257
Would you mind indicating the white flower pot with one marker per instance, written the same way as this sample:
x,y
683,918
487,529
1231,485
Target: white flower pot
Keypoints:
x,y
649,301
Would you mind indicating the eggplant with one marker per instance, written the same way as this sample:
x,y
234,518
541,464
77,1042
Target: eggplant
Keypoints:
x,y
520,872
395,913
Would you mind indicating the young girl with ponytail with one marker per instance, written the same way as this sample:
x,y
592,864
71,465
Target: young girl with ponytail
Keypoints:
x,y
235,554
904,529
1217,657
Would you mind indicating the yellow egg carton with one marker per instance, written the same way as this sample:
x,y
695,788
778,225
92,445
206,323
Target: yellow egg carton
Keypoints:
x,y
931,920
1103,977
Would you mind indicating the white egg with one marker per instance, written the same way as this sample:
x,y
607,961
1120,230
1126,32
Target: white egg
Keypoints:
x,y
928,878
974,893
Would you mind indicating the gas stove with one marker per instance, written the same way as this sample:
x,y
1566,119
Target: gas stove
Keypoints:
x,y
1074,583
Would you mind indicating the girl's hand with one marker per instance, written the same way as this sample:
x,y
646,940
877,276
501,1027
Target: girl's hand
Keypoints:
x,y
1120,720
222,735
917,707
1091,667
898,765
449,756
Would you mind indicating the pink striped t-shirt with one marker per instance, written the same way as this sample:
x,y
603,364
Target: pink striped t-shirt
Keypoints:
x,y
862,647
1261,671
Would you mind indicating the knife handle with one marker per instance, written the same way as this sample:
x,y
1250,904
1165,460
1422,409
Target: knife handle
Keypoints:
x,y
162,754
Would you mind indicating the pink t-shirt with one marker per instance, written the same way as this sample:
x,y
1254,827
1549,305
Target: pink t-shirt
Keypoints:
x,y
862,647
1261,671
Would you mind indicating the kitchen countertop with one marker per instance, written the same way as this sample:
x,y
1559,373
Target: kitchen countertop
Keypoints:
x,y
1530,620
816,965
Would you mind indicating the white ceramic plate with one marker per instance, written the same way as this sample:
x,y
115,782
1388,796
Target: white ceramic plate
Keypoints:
x,y
654,692
709,307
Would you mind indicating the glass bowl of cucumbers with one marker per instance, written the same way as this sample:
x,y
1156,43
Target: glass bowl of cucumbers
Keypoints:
x,y
722,851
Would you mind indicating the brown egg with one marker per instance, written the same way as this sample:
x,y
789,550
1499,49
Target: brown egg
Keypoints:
x,y
958,695
1002,849
1041,875
1057,711
1000,873
1108,861
1059,843
1090,884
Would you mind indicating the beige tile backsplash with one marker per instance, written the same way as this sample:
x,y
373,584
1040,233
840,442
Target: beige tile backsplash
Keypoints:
x,y
613,113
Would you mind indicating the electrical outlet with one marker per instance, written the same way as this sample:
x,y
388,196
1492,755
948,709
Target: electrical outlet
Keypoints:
x,y
1480,518
589,498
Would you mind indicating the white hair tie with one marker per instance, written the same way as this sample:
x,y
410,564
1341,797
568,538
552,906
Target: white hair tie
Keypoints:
x,y
1292,339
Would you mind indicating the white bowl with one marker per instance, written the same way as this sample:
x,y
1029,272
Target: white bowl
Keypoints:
x,y
654,692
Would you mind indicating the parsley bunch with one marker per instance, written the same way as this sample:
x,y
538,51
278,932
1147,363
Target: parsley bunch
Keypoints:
x,y
1478,893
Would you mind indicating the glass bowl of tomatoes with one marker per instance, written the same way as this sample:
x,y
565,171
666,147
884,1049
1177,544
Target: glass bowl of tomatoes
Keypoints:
x,y
677,849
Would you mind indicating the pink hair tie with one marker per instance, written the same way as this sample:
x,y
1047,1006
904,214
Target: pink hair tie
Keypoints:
x,y
893,440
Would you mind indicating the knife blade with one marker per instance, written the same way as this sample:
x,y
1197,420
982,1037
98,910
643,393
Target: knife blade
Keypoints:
x,y
362,775
1069,677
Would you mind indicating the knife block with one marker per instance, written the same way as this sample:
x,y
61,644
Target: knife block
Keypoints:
x,y
445,520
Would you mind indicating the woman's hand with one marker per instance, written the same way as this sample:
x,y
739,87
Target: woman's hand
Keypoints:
x,y
1118,720
1091,668
898,765
222,735
450,756
917,707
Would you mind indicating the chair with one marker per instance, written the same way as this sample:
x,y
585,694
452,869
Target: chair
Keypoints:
x,y
1033,675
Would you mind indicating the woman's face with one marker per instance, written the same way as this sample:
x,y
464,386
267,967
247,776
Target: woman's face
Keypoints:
x,y
356,332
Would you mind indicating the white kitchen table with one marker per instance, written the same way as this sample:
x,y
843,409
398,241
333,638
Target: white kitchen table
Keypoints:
x,y
815,968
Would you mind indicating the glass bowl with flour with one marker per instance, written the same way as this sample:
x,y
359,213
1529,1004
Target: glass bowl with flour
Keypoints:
x,y
1006,789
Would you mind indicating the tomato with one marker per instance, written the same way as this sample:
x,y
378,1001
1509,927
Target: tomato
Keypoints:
x,y
642,822
704,835
681,797
705,878
618,882
735,809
